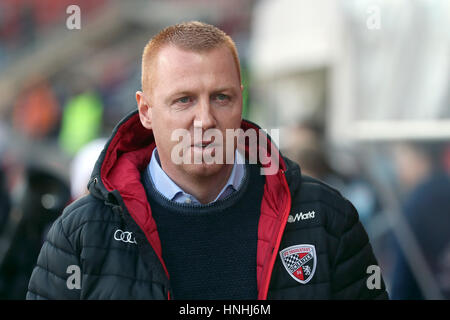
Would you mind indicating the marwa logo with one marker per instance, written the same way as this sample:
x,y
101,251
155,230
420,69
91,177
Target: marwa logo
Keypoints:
x,y
302,216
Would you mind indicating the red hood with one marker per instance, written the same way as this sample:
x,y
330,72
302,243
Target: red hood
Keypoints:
x,y
128,154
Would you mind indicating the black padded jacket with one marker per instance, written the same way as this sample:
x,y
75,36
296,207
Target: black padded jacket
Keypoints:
x,y
311,244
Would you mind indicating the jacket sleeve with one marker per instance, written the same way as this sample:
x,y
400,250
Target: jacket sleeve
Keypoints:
x,y
50,276
356,274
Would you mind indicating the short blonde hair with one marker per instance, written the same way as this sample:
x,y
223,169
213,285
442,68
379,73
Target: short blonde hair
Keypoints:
x,y
193,36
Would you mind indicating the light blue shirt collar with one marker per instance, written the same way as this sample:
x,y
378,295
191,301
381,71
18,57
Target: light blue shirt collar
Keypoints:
x,y
169,189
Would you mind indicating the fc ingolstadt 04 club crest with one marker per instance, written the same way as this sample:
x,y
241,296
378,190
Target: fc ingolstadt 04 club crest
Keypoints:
x,y
300,261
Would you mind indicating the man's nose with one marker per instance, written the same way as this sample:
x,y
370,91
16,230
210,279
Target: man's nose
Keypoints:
x,y
205,115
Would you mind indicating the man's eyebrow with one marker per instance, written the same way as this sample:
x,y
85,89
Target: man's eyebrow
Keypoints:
x,y
181,93
230,88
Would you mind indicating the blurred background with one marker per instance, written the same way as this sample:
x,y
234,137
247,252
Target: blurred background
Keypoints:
x,y
359,89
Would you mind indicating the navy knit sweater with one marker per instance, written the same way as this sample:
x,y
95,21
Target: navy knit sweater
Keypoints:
x,y
210,250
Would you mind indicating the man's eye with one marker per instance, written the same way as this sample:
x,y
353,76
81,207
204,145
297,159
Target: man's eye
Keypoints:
x,y
184,100
222,97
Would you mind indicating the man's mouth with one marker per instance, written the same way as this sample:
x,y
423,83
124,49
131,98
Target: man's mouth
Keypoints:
x,y
204,144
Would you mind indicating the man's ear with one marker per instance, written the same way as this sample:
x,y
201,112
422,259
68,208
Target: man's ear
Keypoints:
x,y
145,110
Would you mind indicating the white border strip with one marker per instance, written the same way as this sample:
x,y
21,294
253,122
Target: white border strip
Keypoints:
x,y
399,130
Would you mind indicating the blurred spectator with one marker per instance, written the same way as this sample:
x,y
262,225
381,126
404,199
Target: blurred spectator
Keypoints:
x,y
308,148
36,113
82,166
5,202
43,200
81,122
427,210
117,85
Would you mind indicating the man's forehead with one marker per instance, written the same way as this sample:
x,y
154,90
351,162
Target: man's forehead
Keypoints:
x,y
172,55
178,66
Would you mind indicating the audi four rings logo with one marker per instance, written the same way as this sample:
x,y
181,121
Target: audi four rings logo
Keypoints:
x,y
124,236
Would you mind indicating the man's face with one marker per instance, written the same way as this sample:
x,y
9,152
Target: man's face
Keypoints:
x,y
188,88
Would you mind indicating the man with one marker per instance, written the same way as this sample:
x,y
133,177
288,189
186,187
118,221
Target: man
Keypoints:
x,y
154,227
426,209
